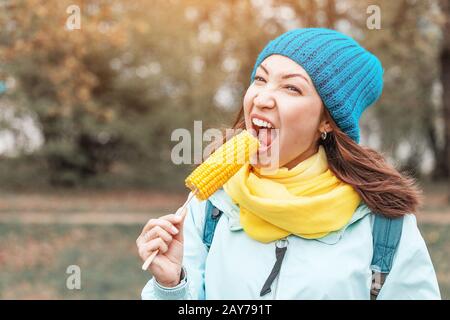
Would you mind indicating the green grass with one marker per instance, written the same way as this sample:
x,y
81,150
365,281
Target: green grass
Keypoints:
x,y
34,260
437,238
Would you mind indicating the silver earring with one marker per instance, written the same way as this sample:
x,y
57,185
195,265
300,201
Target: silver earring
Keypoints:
x,y
323,135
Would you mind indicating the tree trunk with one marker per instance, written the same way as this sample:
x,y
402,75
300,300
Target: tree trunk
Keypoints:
x,y
443,163
331,14
445,63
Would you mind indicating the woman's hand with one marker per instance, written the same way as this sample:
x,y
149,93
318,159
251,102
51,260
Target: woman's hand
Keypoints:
x,y
166,234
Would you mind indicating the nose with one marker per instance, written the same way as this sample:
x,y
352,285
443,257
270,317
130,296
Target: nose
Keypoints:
x,y
264,99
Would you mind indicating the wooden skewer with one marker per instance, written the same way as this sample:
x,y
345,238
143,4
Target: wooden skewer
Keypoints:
x,y
149,260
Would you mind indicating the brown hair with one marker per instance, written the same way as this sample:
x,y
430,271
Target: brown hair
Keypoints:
x,y
383,189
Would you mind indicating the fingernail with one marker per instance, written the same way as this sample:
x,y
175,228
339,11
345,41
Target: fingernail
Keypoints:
x,y
175,230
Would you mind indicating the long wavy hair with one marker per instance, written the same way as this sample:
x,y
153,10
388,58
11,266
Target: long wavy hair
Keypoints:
x,y
382,187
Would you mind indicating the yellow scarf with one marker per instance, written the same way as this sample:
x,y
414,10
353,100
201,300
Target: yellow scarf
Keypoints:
x,y
308,200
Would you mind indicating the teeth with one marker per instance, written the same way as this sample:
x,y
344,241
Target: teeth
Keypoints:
x,y
261,123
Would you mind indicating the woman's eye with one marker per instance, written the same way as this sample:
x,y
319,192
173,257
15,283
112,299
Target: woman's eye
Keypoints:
x,y
290,88
293,89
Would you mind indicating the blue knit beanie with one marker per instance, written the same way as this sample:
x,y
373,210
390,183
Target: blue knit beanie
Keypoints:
x,y
347,77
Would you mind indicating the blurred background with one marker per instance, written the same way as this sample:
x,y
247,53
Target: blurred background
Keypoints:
x,y
86,117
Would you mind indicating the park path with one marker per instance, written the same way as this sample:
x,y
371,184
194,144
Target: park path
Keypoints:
x,y
94,218
135,207
139,218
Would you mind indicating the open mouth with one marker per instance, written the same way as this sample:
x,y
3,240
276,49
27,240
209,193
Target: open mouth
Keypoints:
x,y
265,131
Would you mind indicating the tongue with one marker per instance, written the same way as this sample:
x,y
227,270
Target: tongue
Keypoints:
x,y
265,137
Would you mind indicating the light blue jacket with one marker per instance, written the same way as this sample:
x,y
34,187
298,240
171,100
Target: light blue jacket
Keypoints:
x,y
337,266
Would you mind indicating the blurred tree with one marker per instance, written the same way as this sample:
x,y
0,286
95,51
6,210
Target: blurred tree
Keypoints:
x,y
108,96
407,45
58,80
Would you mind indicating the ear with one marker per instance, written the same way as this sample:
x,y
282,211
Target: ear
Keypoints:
x,y
325,121
325,125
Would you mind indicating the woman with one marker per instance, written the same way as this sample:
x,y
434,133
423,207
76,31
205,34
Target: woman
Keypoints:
x,y
304,231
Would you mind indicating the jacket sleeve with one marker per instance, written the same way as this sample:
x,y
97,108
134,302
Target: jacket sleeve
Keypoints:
x,y
192,287
412,275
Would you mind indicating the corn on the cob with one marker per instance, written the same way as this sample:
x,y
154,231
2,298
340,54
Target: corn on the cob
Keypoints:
x,y
222,165
216,170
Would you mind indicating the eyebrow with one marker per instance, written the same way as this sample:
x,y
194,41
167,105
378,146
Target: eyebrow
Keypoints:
x,y
287,76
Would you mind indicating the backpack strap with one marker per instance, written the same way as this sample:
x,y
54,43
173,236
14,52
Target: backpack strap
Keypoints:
x,y
386,234
212,216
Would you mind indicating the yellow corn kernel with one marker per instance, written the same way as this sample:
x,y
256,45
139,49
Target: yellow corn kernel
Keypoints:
x,y
220,166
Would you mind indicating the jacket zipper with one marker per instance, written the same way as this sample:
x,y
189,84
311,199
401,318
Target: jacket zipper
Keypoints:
x,y
282,243
215,213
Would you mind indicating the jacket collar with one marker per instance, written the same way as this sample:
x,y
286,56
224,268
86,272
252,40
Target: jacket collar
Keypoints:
x,y
222,201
